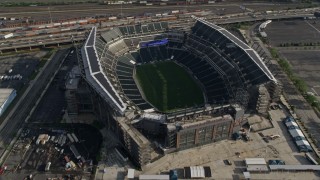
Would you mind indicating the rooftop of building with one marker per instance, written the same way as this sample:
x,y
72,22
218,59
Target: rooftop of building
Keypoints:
x,y
4,94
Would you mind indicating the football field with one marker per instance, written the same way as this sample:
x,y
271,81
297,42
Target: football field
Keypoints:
x,y
168,86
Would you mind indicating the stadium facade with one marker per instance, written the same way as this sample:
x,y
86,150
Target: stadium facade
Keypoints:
x,y
227,70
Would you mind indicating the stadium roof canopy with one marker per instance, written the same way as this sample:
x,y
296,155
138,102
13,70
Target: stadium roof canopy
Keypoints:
x,y
249,51
96,76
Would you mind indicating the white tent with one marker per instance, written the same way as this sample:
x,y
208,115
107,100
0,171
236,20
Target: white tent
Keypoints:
x,y
292,123
302,142
296,132
197,172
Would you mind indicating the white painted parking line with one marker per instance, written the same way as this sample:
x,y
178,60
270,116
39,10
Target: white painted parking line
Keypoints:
x,y
312,26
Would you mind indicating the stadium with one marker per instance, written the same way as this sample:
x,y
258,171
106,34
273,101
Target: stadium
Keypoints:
x,y
161,89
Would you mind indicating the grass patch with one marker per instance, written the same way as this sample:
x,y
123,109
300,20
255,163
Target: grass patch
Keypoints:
x,y
168,86
274,53
297,81
33,75
10,53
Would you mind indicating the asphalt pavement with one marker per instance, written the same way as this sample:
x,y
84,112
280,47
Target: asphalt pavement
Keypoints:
x,y
18,115
52,105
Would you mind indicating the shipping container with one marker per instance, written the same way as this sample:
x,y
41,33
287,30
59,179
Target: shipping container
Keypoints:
x,y
73,165
112,18
66,158
175,11
83,21
63,141
48,166
8,36
56,24
94,20
165,14
73,135
70,138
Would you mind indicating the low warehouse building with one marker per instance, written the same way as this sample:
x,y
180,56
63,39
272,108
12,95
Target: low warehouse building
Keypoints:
x,y
6,97
197,172
256,165
154,177
298,136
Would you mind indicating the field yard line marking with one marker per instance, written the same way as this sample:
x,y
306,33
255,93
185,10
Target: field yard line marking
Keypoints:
x,y
312,26
164,90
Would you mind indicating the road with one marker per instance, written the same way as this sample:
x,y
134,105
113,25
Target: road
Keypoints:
x,y
115,9
45,14
21,111
43,40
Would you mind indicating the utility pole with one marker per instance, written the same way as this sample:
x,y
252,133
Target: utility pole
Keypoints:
x,y
50,15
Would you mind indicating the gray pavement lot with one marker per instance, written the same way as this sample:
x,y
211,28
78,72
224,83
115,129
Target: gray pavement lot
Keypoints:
x,y
214,154
297,31
23,64
306,64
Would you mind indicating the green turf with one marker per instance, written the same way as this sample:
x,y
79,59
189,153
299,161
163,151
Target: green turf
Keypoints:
x,y
168,86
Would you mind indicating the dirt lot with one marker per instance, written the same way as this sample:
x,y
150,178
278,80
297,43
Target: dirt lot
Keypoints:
x,y
297,31
214,155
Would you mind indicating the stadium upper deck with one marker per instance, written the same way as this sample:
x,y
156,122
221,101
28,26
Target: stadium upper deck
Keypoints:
x,y
223,64
95,74
249,51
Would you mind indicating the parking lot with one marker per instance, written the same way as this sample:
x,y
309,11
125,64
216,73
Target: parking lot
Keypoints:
x,y
23,65
216,154
297,31
305,64
303,60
